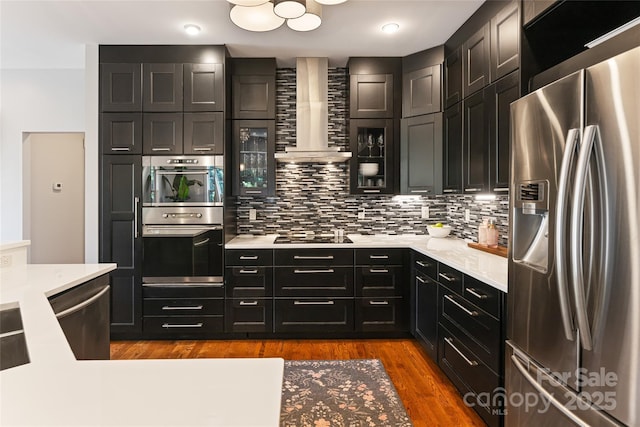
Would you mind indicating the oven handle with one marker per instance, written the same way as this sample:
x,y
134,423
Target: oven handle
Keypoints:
x,y
204,242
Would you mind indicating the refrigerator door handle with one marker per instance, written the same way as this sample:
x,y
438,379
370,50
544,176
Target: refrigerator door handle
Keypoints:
x,y
547,395
573,137
576,232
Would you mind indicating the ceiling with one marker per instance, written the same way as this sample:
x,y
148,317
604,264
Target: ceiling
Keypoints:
x,y
52,33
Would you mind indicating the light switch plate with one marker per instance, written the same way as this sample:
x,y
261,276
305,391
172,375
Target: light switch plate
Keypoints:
x,y
252,214
361,214
425,212
467,215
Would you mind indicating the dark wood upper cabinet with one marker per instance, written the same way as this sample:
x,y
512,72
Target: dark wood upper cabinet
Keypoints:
x,y
203,133
120,87
421,155
475,148
162,87
476,61
421,91
254,96
452,150
121,133
453,78
371,96
162,133
532,9
499,98
203,87
505,41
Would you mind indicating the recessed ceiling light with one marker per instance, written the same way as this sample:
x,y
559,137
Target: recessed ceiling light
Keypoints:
x,y
390,28
192,29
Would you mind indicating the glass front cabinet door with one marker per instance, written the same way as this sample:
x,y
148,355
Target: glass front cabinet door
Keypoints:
x,y
371,164
254,164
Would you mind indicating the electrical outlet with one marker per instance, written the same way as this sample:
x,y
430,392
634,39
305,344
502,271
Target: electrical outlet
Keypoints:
x,y
5,261
361,214
252,214
425,212
467,215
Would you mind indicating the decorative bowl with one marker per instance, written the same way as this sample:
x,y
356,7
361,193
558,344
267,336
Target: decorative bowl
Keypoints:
x,y
439,231
368,169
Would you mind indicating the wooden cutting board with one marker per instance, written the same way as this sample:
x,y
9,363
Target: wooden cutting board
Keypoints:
x,y
500,250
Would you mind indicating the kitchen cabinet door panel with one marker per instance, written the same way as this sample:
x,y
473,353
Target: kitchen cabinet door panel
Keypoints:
x,y
121,133
380,314
203,87
453,78
203,133
162,133
421,155
254,97
421,91
500,96
452,150
475,160
314,315
371,96
249,315
476,61
121,87
162,87
505,41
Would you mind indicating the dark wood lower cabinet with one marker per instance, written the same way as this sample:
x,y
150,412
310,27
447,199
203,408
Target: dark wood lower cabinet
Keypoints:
x,y
381,314
314,315
249,315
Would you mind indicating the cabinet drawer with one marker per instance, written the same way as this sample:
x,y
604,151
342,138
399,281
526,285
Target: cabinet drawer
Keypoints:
x,y
256,282
313,315
484,296
425,265
182,306
313,281
469,374
249,257
479,331
381,314
380,281
450,277
183,291
313,257
249,315
182,326
379,256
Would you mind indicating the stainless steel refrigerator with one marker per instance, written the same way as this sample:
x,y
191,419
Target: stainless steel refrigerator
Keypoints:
x,y
573,325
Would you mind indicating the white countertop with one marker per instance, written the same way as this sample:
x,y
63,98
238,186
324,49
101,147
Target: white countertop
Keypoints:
x,y
56,389
486,267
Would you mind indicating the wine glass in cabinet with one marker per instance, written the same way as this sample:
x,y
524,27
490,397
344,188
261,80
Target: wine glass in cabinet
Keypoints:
x,y
371,163
254,163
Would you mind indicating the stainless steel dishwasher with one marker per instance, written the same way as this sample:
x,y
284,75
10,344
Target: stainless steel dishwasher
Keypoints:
x,y
83,313
13,346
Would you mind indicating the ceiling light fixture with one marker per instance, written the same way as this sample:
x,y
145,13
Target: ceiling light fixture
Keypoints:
x,y
290,9
256,18
390,28
267,15
192,29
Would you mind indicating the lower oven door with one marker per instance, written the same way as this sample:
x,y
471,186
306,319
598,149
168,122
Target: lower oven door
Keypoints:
x,y
182,255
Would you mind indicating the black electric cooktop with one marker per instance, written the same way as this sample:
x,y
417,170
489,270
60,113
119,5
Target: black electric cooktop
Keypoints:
x,y
312,239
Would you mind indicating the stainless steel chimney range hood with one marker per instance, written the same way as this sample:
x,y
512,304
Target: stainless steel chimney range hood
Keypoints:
x,y
312,116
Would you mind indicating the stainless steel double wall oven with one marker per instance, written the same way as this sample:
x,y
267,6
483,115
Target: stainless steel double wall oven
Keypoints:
x,y
182,217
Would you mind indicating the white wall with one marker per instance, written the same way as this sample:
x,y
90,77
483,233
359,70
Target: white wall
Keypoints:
x,y
48,100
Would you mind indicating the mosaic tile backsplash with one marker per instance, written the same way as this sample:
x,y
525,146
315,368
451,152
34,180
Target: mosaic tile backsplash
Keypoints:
x,y
315,197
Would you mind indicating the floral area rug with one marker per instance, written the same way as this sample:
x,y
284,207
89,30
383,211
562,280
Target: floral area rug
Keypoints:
x,y
339,393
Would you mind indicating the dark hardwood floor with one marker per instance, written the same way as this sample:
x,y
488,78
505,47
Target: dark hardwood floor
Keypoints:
x,y
428,396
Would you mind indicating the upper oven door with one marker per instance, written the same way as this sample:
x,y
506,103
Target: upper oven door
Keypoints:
x,y
183,181
182,255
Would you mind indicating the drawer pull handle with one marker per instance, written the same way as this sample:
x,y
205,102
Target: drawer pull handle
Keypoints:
x,y
248,257
253,191
203,242
378,270
328,270
421,280
423,264
466,359
120,149
421,191
243,271
185,307
202,148
371,191
463,308
447,277
312,257
473,292
472,190
161,149
248,302
378,256
188,325
313,303
378,302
